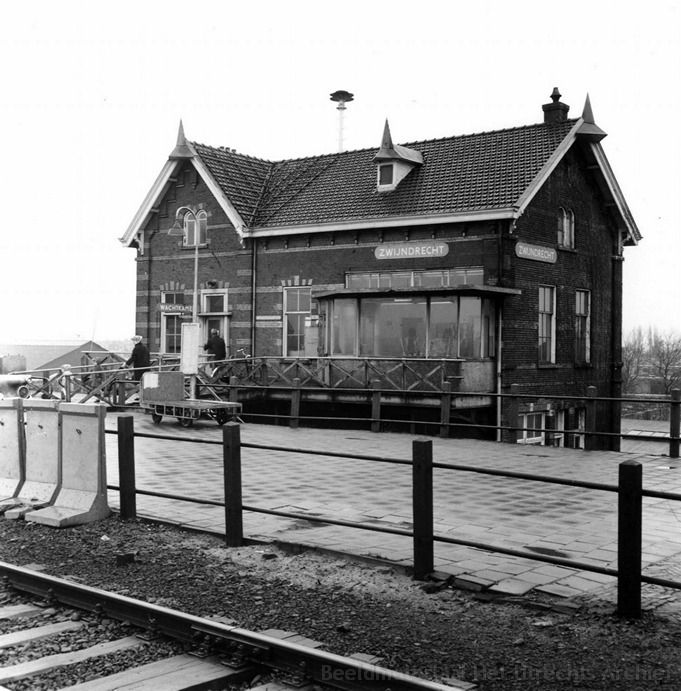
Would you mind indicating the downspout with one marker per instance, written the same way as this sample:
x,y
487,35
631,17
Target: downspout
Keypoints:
x,y
616,347
254,282
499,352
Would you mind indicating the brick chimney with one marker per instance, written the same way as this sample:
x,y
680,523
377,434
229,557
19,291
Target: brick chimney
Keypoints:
x,y
555,111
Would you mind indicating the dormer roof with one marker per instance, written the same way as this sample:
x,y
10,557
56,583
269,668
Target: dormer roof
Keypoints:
x,y
395,152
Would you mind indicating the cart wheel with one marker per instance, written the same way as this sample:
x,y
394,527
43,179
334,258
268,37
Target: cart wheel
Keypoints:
x,y
156,418
185,421
221,416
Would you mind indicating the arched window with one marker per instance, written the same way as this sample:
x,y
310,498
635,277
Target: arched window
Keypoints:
x,y
566,228
190,221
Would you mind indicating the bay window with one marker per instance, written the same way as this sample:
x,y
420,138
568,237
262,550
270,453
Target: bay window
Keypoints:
x,y
449,326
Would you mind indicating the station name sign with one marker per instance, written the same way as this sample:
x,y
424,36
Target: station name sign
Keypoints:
x,y
171,308
411,250
536,253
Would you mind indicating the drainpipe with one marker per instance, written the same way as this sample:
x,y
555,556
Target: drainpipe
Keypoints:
x,y
616,348
499,352
254,247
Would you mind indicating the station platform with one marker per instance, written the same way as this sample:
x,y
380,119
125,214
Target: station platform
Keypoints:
x,y
563,521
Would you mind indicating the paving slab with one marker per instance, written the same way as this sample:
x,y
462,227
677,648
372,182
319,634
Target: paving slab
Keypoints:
x,y
539,518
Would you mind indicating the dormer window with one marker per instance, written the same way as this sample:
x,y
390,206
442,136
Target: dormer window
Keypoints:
x,y
394,162
385,174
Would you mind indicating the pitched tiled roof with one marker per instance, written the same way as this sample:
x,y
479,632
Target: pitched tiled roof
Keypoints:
x,y
478,172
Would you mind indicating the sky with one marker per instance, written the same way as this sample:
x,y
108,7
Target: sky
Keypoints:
x,y
92,95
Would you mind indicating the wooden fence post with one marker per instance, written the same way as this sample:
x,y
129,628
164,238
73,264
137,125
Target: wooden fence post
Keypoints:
x,y
674,424
445,409
422,500
589,436
126,466
295,404
375,406
629,527
231,460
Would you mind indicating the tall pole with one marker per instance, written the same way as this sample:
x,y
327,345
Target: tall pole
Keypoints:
x,y
195,297
340,109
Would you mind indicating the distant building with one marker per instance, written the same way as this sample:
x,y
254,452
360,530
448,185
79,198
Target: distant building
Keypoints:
x,y
46,355
480,261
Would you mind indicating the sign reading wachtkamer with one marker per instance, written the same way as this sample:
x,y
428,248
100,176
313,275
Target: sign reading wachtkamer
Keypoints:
x,y
411,250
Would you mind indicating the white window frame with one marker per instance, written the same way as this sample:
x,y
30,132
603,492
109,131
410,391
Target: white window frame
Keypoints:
x,y
286,312
527,436
552,326
381,168
164,320
190,221
207,319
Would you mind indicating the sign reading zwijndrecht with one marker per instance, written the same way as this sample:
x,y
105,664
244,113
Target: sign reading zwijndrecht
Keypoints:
x,y
411,250
536,253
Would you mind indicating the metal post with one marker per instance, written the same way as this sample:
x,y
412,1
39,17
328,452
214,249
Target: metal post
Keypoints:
x,y
67,386
375,406
233,391
512,412
422,500
629,526
589,437
231,458
674,424
126,466
295,403
445,409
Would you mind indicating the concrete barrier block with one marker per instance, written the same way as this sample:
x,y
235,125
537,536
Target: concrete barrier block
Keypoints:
x,y
11,452
82,496
42,462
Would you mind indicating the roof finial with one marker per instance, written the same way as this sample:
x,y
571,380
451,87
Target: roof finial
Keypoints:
x,y
387,141
587,113
182,148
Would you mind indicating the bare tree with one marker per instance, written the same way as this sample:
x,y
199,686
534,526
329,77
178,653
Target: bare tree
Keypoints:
x,y
665,359
633,359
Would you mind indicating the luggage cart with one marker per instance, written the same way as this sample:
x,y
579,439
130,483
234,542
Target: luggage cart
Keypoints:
x,y
162,393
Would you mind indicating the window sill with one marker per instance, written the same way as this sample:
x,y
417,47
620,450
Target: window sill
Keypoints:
x,y
547,365
583,365
562,248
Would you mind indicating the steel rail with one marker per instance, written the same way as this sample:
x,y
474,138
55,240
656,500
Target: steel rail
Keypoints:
x,y
298,663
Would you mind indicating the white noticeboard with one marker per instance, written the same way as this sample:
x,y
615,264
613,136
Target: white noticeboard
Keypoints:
x,y
189,357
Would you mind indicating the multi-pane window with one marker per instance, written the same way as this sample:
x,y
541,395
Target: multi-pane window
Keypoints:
x,y
582,326
566,228
296,309
415,279
547,324
171,322
411,327
531,428
190,231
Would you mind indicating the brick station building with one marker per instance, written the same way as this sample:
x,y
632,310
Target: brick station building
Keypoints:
x,y
468,263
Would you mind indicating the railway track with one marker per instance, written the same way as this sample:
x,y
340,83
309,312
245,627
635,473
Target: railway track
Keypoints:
x,y
199,653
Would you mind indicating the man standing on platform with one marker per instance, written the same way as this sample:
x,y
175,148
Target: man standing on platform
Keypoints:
x,y
140,359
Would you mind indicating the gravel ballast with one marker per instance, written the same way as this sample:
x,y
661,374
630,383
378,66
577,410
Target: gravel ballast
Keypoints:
x,y
425,629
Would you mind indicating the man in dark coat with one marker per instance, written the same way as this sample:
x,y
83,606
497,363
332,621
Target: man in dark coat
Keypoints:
x,y
216,346
140,359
